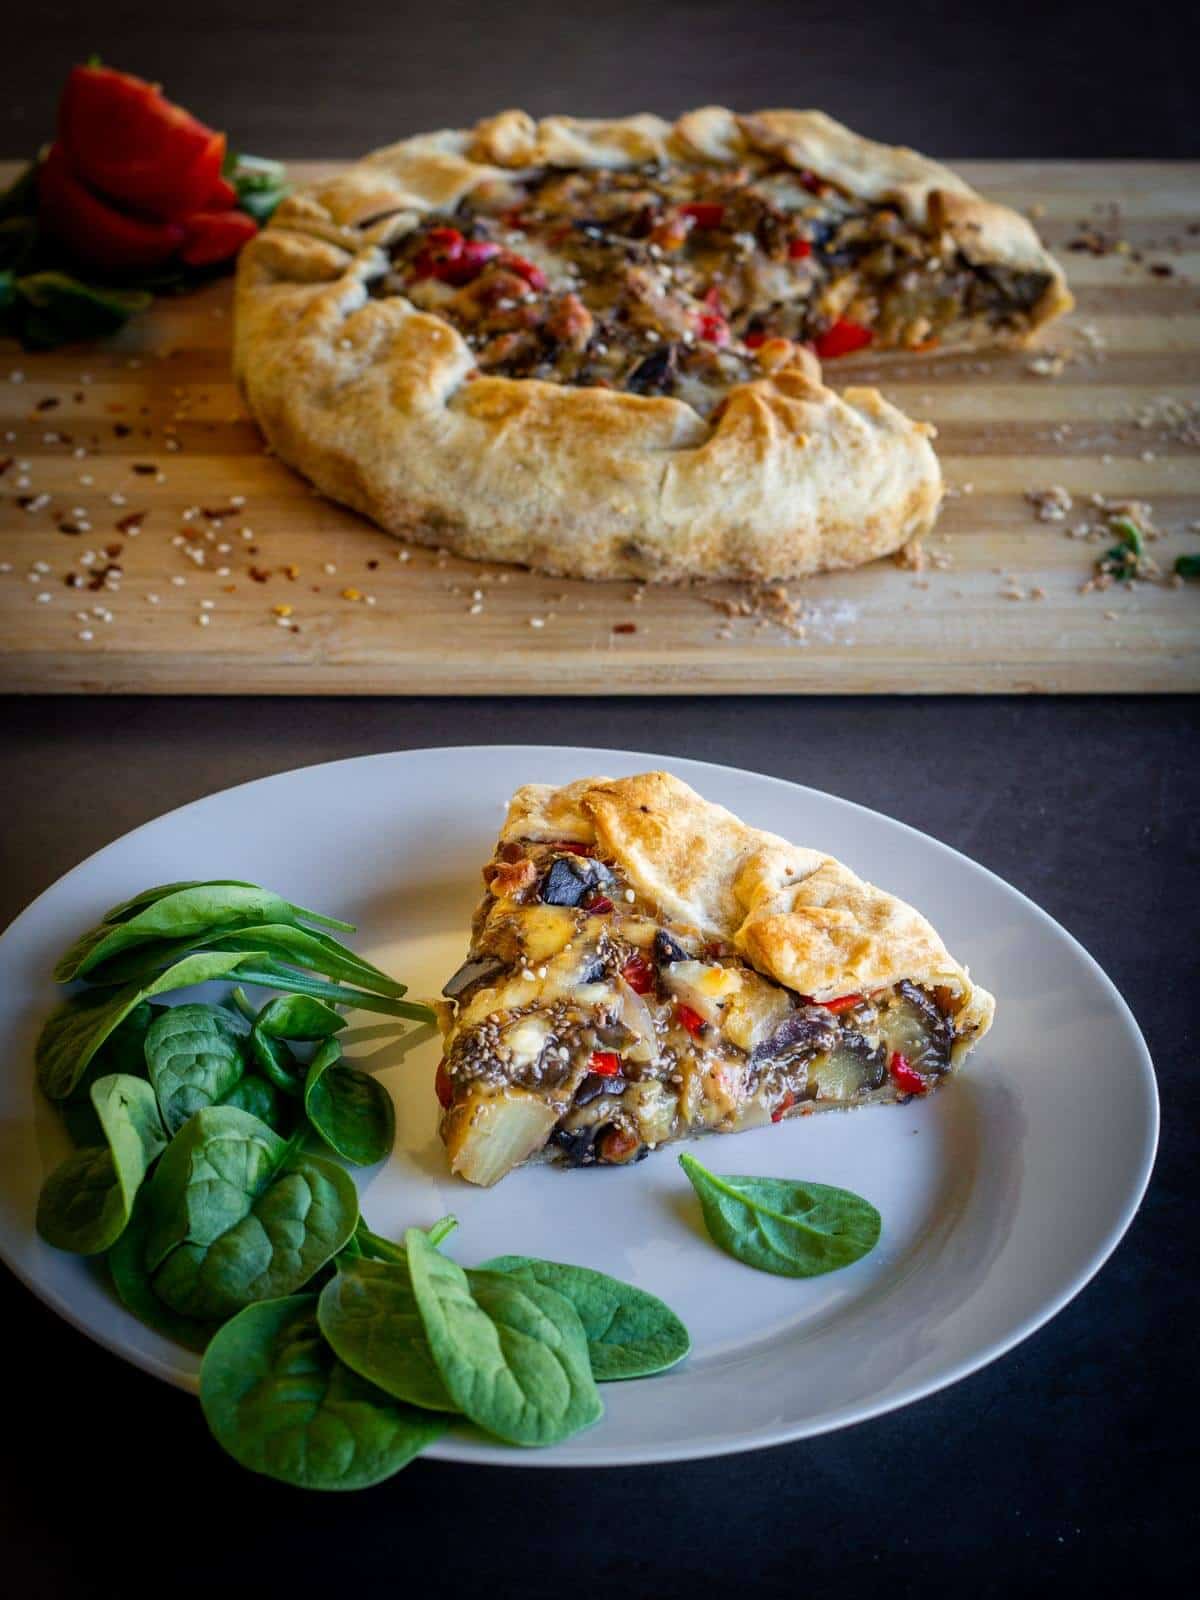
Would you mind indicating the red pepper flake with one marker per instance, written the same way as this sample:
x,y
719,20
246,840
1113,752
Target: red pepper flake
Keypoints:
x,y
842,340
691,1020
752,341
113,550
443,1087
145,469
785,1105
598,904
69,527
704,213
218,513
624,627
799,250
605,1063
97,580
842,1003
5,463
638,974
132,521
906,1078
259,574
534,276
122,430
74,580
371,566
48,404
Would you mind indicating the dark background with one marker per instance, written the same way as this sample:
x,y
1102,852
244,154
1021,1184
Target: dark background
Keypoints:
x,y
1068,1463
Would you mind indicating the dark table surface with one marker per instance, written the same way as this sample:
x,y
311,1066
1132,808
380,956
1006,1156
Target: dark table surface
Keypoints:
x,y
1065,1463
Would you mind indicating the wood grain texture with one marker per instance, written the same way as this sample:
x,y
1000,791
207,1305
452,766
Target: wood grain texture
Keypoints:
x,y
393,620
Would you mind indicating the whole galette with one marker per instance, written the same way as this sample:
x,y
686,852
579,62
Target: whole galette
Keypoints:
x,y
593,347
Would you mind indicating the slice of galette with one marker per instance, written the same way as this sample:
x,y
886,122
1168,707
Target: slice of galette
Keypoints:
x,y
644,966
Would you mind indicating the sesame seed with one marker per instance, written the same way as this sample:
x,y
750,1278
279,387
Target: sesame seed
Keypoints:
x,y
178,581
537,622
152,599
203,619
86,635
329,568
43,599
207,605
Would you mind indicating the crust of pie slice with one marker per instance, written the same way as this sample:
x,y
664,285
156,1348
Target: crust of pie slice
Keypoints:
x,y
796,915
646,966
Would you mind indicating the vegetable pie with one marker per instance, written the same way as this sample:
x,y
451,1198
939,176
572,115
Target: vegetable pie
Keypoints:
x,y
644,966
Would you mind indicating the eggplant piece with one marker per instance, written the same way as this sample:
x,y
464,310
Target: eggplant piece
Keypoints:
x,y
578,1145
571,878
596,1084
806,1033
668,950
852,1068
911,1024
655,374
473,970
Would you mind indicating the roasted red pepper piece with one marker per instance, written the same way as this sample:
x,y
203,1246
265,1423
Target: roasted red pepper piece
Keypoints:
x,y
534,276
842,1003
638,974
907,1079
605,1063
752,341
212,236
691,1020
443,1087
573,847
799,250
129,142
704,213
841,340
711,323
95,231
598,904
785,1105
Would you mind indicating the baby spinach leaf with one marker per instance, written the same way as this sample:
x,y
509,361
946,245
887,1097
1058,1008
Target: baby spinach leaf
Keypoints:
x,y
195,1057
55,308
75,1030
798,1230
368,1313
351,1112
123,1051
240,1215
127,908
298,1016
302,947
86,1202
277,1064
261,1099
630,1333
280,1402
511,1353
131,1280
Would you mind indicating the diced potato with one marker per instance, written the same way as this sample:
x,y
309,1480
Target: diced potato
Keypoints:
x,y
488,1133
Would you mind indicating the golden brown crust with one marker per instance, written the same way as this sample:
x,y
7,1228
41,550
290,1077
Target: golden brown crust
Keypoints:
x,y
795,914
377,402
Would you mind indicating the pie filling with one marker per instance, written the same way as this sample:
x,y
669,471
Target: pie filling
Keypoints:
x,y
585,1028
674,280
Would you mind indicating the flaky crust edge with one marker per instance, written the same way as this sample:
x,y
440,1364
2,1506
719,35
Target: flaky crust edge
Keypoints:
x,y
797,915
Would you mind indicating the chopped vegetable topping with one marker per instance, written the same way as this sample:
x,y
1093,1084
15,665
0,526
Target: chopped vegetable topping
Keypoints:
x,y
904,1077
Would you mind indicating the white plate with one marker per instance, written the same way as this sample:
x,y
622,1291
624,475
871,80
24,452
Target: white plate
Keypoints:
x,y
1001,1195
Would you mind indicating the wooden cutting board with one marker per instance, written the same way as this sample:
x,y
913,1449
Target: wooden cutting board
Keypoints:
x,y
240,580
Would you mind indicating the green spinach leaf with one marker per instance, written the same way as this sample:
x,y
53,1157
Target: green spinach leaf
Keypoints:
x,y
511,1353
75,1030
195,1055
261,1099
797,1230
298,1016
368,1313
281,1403
351,1112
131,1280
127,908
239,1215
123,1051
86,1202
630,1333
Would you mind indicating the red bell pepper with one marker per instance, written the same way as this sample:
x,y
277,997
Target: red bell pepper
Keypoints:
x,y
842,339
443,1087
212,236
605,1063
573,847
799,250
704,213
129,142
95,231
691,1020
785,1105
598,904
906,1078
534,276
842,1003
638,974
754,341
711,324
